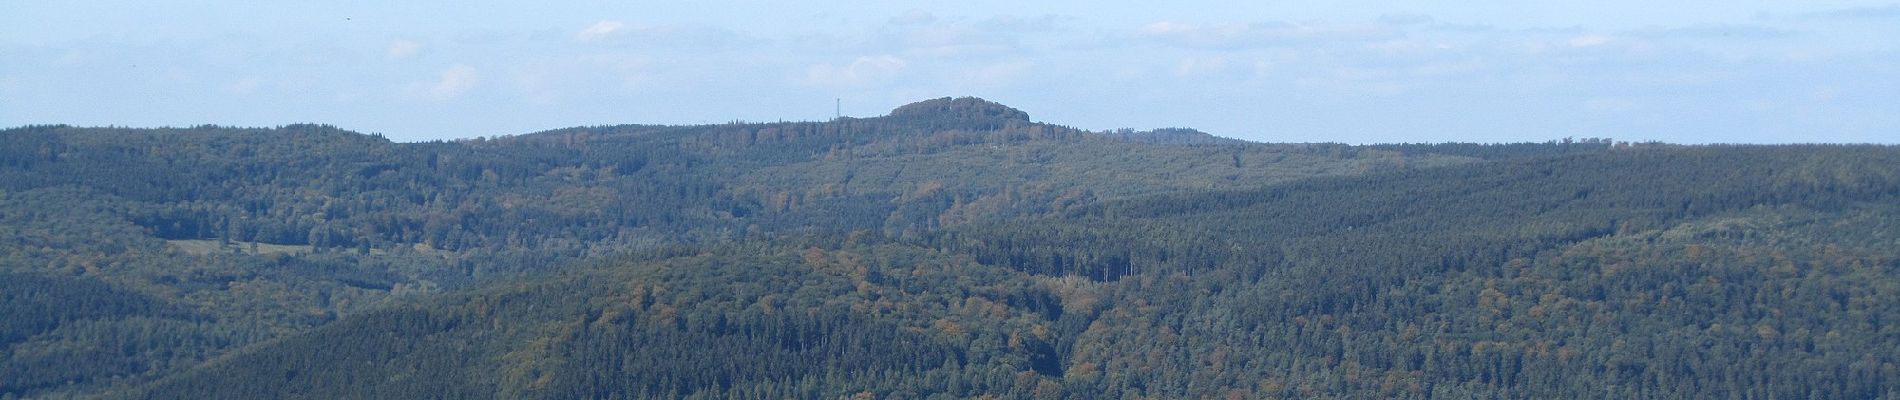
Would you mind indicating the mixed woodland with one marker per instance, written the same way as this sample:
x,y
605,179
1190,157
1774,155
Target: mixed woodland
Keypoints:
x,y
954,248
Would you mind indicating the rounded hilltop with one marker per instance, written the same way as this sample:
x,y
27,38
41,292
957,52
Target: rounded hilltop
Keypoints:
x,y
959,108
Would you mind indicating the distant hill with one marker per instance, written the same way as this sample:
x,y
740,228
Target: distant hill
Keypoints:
x,y
1171,136
959,113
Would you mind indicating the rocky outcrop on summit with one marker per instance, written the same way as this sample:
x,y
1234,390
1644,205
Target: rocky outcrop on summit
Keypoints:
x,y
968,112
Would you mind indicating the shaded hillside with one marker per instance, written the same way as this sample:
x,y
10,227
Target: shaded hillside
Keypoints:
x,y
1668,272
266,232
745,321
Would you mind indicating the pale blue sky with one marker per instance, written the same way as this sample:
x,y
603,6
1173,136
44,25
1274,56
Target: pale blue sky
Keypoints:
x,y
1346,71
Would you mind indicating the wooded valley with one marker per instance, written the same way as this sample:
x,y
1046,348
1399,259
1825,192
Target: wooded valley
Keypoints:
x,y
954,248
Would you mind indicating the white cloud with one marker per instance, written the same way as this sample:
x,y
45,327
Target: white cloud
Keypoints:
x,y
600,30
695,38
402,48
864,70
1261,34
455,81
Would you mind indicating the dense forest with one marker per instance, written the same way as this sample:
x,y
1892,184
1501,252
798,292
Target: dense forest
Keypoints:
x,y
954,248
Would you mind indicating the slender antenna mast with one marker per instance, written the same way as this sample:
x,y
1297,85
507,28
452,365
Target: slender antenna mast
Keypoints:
x,y
838,111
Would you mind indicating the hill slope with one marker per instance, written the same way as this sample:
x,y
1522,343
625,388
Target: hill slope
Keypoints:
x,y
1672,272
250,234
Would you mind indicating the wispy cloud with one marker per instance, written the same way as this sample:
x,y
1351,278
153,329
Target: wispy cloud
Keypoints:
x,y
402,49
1721,31
1261,34
998,74
863,70
1592,40
613,32
244,86
453,82
914,17
1857,13
1406,19
959,38
1464,72
600,30
922,35
1221,68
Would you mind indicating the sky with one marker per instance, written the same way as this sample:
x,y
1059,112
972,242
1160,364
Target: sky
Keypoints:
x,y
1351,71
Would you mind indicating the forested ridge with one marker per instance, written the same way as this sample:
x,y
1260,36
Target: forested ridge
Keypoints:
x,y
954,248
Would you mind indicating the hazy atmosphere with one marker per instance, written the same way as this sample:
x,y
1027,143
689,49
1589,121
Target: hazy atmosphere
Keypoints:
x,y
1354,71
991,200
